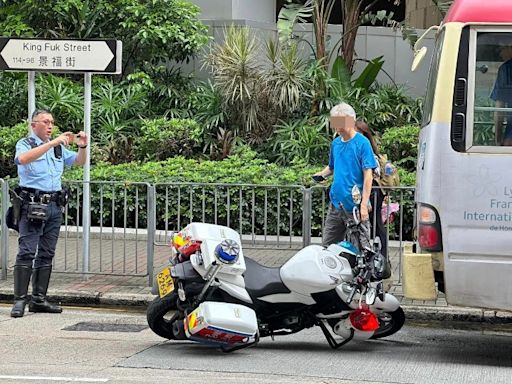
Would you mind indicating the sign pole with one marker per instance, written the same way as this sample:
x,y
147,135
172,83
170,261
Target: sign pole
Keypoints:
x,y
86,211
31,94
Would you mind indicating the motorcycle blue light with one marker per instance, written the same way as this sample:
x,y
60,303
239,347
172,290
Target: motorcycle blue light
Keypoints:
x,y
349,246
228,251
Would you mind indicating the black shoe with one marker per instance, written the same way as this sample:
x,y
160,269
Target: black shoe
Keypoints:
x,y
22,275
43,306
18,309
40,281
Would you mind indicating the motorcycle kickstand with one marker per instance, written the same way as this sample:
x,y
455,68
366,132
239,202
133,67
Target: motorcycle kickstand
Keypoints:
x,y
330,339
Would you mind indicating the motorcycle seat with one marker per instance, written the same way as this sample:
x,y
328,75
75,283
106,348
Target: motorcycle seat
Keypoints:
x,y
262,281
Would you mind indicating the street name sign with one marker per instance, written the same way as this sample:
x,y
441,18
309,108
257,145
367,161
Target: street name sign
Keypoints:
x,y
70,56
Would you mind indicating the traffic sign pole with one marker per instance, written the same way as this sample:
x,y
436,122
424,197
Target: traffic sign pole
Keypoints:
x,y
31,95
86,204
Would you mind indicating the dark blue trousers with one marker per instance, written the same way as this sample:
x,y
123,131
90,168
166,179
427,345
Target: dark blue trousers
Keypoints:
x,y
37,239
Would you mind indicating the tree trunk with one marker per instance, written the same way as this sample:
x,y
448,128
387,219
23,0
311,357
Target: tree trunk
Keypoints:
x,y
321,13
351,22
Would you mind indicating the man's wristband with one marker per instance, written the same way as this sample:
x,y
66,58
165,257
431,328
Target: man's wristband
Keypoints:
x,y
83,147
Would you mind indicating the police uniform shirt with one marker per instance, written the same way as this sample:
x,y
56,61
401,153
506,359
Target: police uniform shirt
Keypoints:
x,y
45,172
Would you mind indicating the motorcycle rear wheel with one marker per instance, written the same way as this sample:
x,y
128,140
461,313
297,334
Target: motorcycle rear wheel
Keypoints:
x,y
390,323
156,311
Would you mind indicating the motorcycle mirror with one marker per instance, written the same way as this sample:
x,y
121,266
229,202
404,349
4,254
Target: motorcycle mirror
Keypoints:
x,y
356,195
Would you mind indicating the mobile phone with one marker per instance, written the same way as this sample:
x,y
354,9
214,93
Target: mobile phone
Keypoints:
x,y
318,178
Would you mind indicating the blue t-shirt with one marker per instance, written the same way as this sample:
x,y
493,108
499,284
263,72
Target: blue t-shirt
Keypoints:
x,y
348,159
502,91
44,173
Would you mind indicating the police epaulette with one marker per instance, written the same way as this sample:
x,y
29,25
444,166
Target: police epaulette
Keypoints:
x,y
31,141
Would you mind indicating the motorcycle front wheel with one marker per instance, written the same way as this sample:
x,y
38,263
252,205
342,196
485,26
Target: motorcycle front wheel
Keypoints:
x,y
390,323
156,315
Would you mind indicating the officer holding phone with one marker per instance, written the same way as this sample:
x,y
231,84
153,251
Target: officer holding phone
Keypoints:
x,y
40,161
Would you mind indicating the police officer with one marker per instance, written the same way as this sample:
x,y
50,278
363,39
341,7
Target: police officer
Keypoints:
x,y
40,161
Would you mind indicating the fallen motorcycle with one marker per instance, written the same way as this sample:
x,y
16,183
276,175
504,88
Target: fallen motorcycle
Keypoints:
x,y
211,293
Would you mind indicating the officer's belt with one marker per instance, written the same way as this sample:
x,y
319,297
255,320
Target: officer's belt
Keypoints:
x,y
30,193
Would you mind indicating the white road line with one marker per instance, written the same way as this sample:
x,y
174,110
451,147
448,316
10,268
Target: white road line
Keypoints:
x,y
49,378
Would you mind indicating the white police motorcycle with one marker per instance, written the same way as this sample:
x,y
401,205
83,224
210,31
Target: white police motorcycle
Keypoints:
x,y
211,293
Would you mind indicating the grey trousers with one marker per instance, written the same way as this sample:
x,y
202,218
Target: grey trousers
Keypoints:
x,y
334,230
334,227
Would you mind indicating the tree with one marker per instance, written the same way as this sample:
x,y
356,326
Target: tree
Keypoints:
x,y
152,31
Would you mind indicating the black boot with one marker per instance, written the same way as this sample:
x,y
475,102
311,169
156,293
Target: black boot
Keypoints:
x,y
40,281
22,275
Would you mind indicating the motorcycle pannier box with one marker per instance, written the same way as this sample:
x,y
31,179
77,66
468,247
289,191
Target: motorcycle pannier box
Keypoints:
x,y
224,323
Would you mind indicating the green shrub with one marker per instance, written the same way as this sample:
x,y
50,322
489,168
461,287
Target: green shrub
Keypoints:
x,y
63,97
407,179
13,97
216,192
162,138
235,170
401,146
305,139
9,136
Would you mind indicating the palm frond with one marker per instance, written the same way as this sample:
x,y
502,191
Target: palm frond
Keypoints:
x,y
291,14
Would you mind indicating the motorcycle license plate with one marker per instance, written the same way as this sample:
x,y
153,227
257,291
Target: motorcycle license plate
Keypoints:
x,y
165,282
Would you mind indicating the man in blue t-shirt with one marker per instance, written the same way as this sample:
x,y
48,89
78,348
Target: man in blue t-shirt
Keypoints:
x,y
351,160
502,95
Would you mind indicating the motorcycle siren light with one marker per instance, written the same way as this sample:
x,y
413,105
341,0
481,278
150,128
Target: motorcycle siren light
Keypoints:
x,y
228,251
363,319
189,248
178,240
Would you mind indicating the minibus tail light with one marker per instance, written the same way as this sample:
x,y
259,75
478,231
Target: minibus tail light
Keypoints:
x,y
429,229
428,237
427,215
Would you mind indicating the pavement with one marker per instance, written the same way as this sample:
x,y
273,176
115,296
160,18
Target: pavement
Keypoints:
x,y
119,278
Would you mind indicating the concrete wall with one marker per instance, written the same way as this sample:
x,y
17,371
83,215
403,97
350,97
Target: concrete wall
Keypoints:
x,y
422,14
253,10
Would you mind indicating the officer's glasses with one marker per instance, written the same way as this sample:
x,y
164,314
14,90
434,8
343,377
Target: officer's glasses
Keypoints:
x,y
46,122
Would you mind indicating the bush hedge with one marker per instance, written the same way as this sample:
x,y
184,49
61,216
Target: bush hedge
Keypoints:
x,y
162,138
9,136
401,146
172,177
178,200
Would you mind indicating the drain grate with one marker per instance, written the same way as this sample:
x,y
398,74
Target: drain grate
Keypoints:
x,y
105,327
